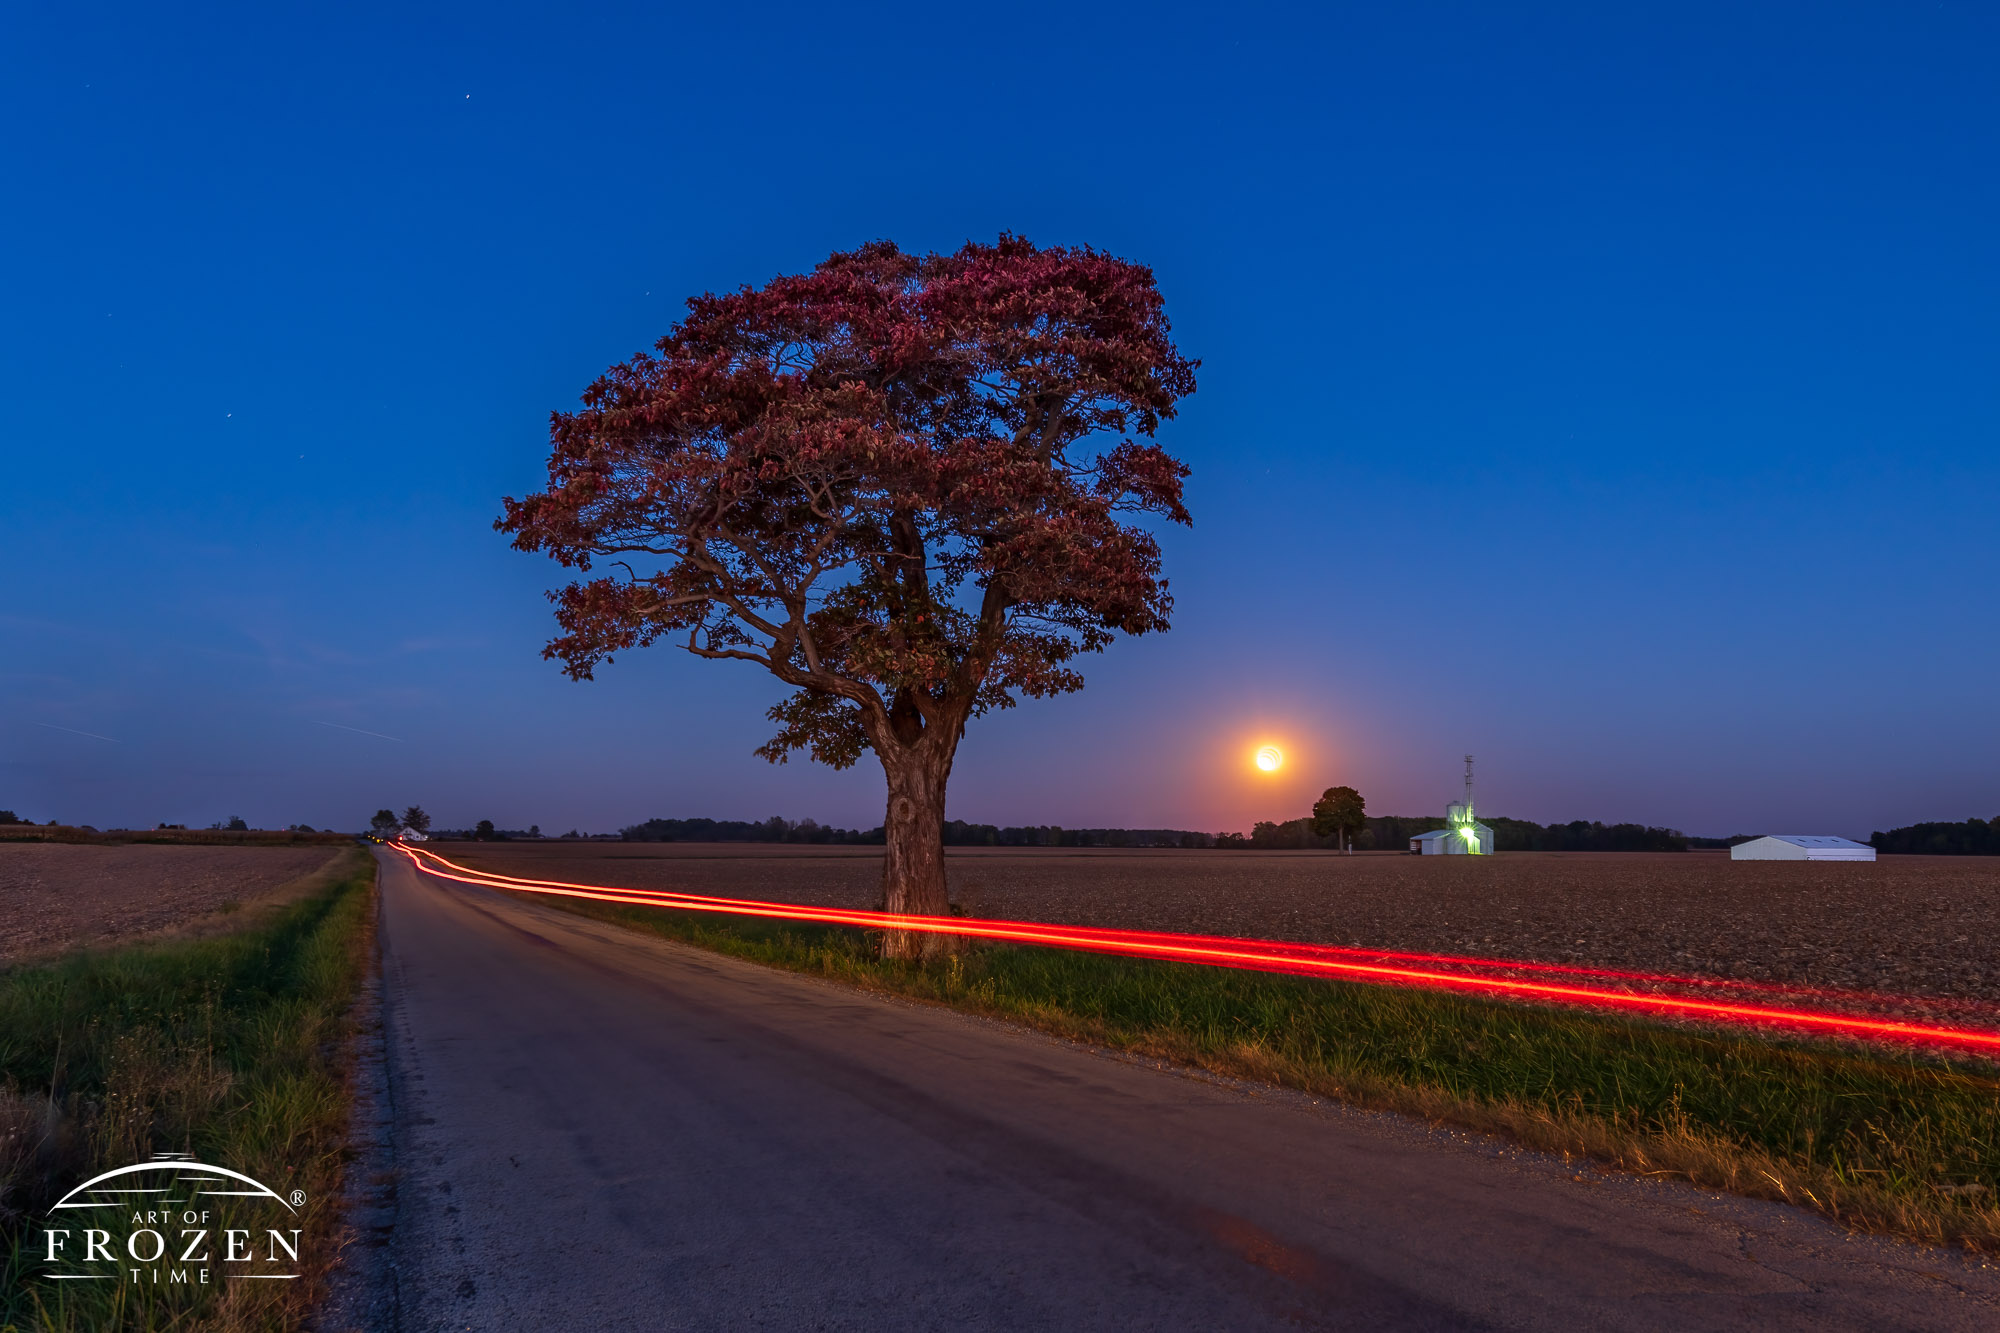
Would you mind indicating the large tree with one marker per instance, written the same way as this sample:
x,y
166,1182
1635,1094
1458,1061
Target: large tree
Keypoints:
x,y
1338,812
903,484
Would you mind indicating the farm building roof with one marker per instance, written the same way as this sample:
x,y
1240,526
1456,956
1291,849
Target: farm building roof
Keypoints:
x,y
1801,847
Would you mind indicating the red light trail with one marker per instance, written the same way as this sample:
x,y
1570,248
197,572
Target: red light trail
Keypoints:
x,y
1554,984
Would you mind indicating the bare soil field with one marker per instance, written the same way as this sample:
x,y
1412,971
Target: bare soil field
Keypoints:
x,y
1905,925
180,837
56,896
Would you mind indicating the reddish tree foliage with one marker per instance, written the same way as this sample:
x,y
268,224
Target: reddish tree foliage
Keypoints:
x,y
903,484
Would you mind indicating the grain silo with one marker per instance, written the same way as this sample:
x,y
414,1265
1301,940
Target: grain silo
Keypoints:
x,y
1462,835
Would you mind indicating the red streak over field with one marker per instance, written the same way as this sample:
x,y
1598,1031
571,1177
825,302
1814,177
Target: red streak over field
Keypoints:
x,y
1711,1000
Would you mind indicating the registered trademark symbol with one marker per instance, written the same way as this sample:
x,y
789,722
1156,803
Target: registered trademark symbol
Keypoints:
x,y
298,1197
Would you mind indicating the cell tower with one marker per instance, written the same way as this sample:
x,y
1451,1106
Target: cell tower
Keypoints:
x,y
1459,816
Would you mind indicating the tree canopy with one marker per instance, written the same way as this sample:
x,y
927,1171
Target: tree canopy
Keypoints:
x,y
1338,811
900,483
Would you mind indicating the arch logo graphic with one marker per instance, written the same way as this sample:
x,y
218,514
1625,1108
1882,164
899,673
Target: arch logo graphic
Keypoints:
x,y
173,1221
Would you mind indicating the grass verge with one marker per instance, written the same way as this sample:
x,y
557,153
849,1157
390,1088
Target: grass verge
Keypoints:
x,y
1900,1144
227,1048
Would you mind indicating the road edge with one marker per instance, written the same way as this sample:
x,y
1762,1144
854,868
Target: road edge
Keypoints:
x,y
362,1294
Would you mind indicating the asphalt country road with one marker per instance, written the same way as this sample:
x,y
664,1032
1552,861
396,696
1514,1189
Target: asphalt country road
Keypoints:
x,y
595,1129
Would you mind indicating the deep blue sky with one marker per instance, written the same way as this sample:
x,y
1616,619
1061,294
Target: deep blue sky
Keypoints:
x,y
1608,390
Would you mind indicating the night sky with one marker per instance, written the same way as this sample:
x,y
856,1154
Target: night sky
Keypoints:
x,y
1607,391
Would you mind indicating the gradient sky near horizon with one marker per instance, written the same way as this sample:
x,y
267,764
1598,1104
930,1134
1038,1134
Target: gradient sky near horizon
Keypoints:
x,y
1609,391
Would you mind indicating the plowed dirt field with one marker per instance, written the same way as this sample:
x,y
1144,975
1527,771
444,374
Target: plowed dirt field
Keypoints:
x,y
1908,925
55,896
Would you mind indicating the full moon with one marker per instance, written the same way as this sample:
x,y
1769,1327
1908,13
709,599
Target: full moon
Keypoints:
x,y
1270,758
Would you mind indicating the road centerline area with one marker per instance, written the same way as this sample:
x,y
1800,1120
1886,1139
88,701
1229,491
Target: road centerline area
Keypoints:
x,y
596,1128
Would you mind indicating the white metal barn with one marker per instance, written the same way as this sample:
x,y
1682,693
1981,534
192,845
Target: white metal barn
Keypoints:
x,y
1801,847
1463,838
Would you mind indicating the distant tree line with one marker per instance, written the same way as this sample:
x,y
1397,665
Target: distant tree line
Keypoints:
x,y
1581,835
1509,835
1974,837
484,831
957,833
775,829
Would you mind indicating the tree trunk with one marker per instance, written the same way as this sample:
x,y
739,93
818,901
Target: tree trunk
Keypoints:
x,y
913,882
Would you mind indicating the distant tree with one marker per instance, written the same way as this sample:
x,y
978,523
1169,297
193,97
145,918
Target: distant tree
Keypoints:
x,y
1339,812
534,830
9,817
483,830
384,824
236,825
303,828
1233,841
415,818
901,484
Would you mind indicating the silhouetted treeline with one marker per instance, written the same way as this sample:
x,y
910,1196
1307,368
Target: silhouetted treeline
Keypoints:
x,y
485,832
775,829
1392,831
1509,835
1580,835
957,833
1975,837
